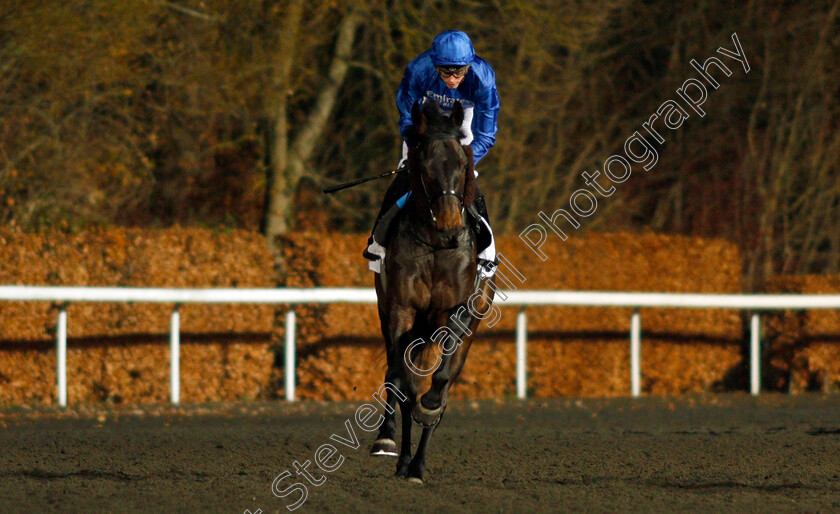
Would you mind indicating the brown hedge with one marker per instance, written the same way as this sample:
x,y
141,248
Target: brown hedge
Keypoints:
x,y
119,352
571,351
802,348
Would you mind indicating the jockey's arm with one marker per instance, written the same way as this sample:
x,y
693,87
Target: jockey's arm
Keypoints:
x,y
484,123
407,94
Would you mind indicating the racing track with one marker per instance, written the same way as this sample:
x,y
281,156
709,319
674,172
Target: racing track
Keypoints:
x,y
709,453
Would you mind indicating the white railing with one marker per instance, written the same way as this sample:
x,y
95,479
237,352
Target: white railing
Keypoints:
x,y
637,301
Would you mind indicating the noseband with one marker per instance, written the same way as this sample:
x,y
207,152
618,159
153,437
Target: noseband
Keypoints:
x,y
449,192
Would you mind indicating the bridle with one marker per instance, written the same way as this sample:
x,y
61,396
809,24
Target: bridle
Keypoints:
x,y
448,192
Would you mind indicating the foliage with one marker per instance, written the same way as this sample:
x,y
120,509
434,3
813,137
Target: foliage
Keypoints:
x,y
154,113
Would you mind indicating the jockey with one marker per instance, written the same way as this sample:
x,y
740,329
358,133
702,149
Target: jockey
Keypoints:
x,y
447,72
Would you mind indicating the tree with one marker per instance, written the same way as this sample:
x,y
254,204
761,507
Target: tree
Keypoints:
x,y
289,153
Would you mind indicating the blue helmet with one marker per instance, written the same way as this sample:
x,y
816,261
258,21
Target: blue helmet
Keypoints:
x,y
452,48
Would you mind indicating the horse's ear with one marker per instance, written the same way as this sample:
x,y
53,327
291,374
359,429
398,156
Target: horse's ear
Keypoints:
x,y
418,119
457,114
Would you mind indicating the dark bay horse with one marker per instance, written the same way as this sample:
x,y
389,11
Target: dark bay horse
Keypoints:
x,y
428,294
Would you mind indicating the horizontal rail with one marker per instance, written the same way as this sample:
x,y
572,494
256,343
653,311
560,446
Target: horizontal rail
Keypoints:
x,y
674,300
368,295
167,295
68,294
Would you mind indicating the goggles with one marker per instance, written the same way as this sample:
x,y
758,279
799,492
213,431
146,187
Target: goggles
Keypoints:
x,y
450,71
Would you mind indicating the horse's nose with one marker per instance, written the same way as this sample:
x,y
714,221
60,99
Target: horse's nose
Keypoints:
x,y
448,213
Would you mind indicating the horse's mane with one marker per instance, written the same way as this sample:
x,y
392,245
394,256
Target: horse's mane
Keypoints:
x,y
438,126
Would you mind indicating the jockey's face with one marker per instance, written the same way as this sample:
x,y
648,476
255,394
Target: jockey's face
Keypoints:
x,y
452,82
453,78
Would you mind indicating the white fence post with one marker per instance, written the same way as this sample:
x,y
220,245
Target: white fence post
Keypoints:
x,y
290,355
175,356
521,354
755,354
636,354
61,356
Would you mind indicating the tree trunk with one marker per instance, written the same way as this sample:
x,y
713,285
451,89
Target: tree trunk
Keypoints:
x,y
288,159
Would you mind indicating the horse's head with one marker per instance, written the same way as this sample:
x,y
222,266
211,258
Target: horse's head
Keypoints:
x,y
441,167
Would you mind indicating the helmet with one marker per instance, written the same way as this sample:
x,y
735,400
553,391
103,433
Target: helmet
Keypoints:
x,y
452,48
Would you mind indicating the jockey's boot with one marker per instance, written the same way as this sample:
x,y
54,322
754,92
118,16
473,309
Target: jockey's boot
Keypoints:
x,y
485,266
367,251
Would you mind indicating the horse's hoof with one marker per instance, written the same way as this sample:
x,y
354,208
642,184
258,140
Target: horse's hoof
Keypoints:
x,y
426,417
384,447
415,480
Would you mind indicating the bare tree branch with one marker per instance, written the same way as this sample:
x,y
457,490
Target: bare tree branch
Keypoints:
x,y
192,12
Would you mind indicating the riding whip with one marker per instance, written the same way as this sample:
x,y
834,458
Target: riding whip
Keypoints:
x,y
339,187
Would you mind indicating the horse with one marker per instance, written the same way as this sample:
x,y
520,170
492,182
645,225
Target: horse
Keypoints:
x,y
428,289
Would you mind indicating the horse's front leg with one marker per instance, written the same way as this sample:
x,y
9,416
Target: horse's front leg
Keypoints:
x,y
384,445
396,327
446,374
417,467
431,407
455,343
451,342
405,449
428,411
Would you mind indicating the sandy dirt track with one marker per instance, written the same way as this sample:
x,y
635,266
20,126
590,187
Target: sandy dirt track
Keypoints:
x,y
700,453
